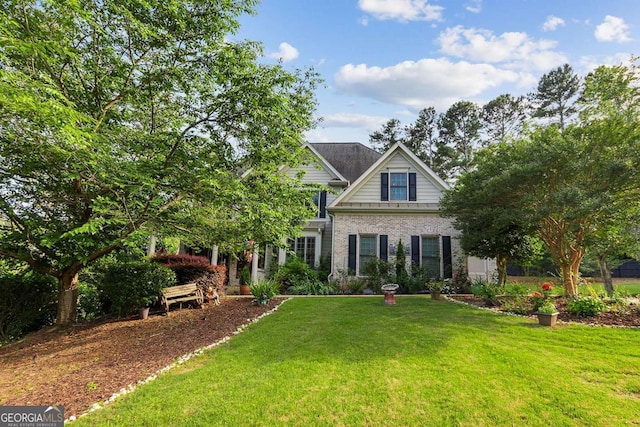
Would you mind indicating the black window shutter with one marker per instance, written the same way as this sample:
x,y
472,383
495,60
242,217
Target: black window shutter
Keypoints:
x,y
412,187
323,204
352,253
384,244
415,250
384,187
447,260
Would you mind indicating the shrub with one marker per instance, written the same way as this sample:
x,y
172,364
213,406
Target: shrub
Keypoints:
x,y
377,273
263,290
294,271
486,290
136,284
312,287
89,301
459,283
195,269
324,269
587,306
515,304
27,304
515,289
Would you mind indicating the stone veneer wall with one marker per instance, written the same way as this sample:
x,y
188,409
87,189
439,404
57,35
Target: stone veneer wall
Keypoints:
x,y
396,226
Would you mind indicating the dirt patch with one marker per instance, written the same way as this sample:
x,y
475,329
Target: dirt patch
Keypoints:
x,y
630,318
87,363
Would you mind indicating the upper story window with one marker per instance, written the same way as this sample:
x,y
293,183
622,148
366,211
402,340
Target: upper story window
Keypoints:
x,y
320,202
398,186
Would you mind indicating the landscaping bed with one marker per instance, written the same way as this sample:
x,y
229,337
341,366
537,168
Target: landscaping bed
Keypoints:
x,y
631,318
87,363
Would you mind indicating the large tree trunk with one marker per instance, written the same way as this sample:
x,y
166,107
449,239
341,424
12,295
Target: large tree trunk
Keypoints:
x,y
606,274
67,297
501,263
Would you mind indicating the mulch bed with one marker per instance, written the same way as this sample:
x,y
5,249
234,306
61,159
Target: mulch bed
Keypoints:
x,y
87,363
629,319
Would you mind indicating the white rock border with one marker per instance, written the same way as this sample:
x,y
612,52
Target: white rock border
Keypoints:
x,y
179,361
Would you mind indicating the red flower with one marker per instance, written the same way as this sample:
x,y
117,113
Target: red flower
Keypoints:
x,y
547,286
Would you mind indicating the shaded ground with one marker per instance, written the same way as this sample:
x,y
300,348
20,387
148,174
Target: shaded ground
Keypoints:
x,y
630,318
88,363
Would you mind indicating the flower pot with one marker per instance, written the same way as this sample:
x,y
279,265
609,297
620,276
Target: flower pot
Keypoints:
x,y
245,290
435,294
143,313
547,319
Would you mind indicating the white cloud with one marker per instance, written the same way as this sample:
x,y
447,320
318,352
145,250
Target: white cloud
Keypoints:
x,y
353,120
515,50
285,53
612,29
552,23
402,10
428,82
474,6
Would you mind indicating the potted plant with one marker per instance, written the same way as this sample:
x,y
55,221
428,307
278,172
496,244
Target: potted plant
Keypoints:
x,y
263,290
547,314
245,281
435,287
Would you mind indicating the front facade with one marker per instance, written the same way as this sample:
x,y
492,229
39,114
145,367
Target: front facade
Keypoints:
x,y
372,202
395,200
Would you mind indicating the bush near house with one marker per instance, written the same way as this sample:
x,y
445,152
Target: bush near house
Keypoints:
x,y
28,303
132,285
195,269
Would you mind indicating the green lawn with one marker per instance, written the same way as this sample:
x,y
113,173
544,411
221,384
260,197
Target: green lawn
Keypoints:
x,y
356,361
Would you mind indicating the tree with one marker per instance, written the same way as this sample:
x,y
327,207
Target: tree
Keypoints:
x,y
460,129
385,138
503,118
485,214
118,118
555,95
609,112
420,137
570,187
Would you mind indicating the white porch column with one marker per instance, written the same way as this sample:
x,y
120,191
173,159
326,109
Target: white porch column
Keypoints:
x,y
318,249
254,264
282,256
151,251
214,255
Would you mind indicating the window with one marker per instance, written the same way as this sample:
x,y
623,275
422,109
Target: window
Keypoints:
x,y
398,186
304,248
367,250
431,255
320,203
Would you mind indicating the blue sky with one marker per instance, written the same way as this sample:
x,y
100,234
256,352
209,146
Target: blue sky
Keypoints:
x,y
383,59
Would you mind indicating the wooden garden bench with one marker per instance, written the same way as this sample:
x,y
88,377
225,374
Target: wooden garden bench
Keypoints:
x,y
181,293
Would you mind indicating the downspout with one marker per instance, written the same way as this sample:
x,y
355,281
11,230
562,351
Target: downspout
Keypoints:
x,y
333,245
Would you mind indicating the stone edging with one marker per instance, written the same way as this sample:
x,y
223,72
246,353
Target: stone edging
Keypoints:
x,y
182,359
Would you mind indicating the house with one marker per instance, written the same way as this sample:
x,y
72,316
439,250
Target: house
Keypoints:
x,y
372,202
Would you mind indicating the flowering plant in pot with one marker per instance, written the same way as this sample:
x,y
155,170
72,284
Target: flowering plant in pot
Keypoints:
x,y
435,287
547,314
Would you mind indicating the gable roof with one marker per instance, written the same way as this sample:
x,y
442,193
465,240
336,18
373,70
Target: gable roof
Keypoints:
x,y
350,159
327,165
438,182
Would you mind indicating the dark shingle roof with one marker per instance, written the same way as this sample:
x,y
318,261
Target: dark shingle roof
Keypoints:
x,y
351,159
